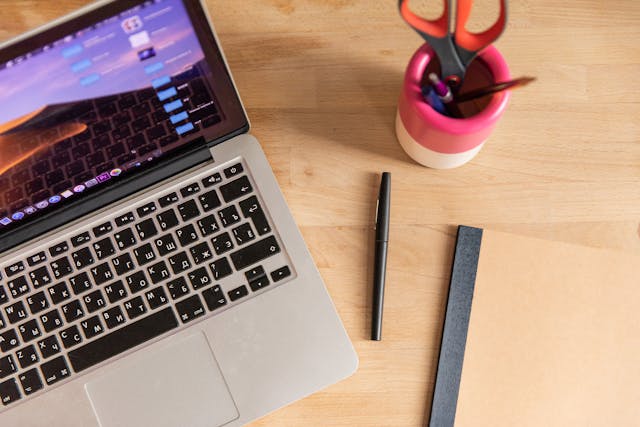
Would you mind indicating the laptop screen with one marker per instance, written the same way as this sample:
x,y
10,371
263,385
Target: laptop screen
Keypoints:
x,y
103,96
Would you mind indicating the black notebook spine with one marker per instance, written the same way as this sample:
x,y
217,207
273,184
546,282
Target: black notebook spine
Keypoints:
x,y
456,326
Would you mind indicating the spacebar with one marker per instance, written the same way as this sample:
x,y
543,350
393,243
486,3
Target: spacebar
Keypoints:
x,y
123,339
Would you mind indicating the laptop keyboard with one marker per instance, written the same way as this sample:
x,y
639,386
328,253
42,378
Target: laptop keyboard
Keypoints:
x,y
126,279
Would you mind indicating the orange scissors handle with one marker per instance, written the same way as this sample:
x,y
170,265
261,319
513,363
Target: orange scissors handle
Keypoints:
x,y
438,28
455,49
468,44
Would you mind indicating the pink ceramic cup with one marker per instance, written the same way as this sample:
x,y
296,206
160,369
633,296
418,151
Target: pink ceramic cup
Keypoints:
x,y
438,141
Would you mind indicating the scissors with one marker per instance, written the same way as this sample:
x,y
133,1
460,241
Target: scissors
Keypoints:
x,y
455,50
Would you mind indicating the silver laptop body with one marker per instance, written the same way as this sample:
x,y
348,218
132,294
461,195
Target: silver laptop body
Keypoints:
x,y
168,284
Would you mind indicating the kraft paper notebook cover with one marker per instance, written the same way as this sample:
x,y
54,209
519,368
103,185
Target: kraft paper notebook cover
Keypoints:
x,y
539,333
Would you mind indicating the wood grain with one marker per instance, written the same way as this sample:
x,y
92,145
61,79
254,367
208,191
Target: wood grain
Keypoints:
x,y
320,80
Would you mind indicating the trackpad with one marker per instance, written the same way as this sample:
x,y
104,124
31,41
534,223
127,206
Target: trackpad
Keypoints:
x,y
173,385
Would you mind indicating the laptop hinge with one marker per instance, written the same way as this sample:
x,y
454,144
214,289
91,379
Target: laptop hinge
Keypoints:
x,y
127,186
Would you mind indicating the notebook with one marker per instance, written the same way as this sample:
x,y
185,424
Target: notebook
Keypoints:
x,y
151,272
538,333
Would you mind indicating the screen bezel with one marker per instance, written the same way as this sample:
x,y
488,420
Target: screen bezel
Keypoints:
x,y
191,154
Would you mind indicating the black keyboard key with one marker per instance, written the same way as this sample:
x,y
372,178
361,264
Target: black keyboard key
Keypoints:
x,y
2,322
16,312
255,273
70,336
94,301
37,302
3,295
229,216
259,283
91,327
7,366
208,225
61,267
146,229
123,264
209,200
280,273
222,243
156,297
165,244
188,210
27,356
49,346
212,180
115,291
104,248
167,219
190,190
137,281
55,370
8,340
179,262
122,339
14,268
9,392
125,219
51,320
113,317
236,189
125,238
251,209
144,254
146,209
58,249
214,297
190,309
72,310
168,200
82,258
36,259
220,268
135,307
18,286
187,235
199,278
237,293
30,381
243,234
80,239
102,229
255,252
40,277
80,283
177,288
201,253
101,273
59,292
158,272
233,170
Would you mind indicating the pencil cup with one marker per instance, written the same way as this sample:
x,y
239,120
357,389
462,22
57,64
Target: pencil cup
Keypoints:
x,y
438,141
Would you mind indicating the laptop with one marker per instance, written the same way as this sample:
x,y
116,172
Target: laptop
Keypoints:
x,y
151,273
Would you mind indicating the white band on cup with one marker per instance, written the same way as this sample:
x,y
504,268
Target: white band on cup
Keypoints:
x,y
428,157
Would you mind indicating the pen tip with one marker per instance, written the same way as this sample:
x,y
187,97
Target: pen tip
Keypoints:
x,y
525,80
434,78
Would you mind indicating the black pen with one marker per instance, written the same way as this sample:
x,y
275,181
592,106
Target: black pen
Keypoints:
x,y
380,262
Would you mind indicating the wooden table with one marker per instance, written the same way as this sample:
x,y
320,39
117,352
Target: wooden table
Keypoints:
x,y
320,80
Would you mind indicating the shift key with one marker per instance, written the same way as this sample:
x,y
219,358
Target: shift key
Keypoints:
x,y
255,252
